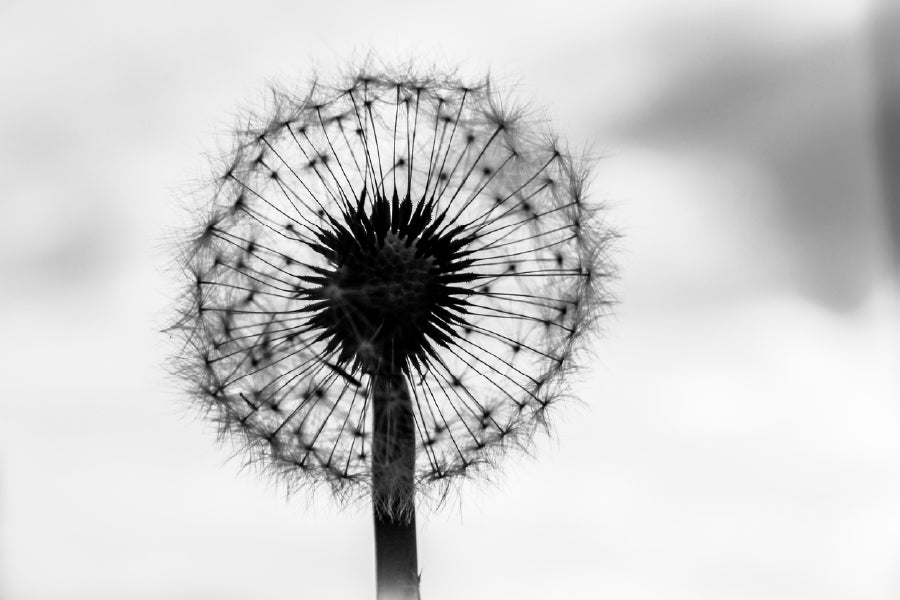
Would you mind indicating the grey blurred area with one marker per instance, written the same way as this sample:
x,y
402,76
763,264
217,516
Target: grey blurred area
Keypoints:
x,y
795,110
885,28
799,114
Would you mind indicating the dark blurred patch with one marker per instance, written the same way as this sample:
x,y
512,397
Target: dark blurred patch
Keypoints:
x,y
886,46
799,114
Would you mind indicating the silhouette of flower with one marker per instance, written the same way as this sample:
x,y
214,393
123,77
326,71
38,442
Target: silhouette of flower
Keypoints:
x,y
391,240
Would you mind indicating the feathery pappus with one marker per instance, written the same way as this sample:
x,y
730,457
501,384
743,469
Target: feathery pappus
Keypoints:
x,y
393,278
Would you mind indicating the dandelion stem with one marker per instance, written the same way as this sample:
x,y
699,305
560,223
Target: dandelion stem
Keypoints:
x,y
393,469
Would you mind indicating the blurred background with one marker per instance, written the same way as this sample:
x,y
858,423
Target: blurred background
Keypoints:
x,y
740,431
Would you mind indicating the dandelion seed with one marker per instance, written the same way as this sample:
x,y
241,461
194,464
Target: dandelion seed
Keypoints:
x,y
389,290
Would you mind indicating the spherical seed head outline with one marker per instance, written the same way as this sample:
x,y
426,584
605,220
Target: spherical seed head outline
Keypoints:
x,y
279,342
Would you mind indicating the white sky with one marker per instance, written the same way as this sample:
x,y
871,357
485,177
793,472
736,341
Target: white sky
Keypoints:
x,y
739,435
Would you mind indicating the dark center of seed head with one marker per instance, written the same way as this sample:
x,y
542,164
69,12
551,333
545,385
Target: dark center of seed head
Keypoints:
x,y
384,296
389,281
394,287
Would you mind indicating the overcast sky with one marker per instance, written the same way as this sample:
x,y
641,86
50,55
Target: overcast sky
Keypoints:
x,y
739,435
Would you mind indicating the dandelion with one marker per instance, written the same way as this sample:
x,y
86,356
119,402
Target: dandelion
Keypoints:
x,y
392,280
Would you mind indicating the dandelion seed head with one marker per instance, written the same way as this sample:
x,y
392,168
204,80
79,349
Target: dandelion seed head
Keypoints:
x,y
390,218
